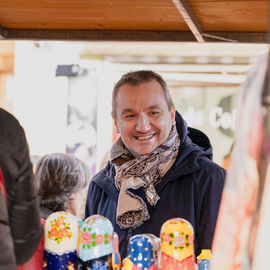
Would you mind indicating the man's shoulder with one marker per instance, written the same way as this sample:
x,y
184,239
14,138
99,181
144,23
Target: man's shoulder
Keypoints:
x,y
211,168
104,175
209,164
198,168
103,181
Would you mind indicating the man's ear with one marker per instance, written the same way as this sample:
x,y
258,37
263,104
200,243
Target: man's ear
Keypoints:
x,y
115,124
173,115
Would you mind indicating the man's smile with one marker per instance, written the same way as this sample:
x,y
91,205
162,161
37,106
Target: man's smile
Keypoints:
x,y
144,137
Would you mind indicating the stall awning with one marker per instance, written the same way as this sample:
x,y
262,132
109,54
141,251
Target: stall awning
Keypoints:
x,y
135,20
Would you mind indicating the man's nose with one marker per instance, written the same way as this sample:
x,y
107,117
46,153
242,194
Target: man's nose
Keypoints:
x,y
143,124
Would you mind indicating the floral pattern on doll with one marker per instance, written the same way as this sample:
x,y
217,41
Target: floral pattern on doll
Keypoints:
x,y
177,248
177,240
59,229
98,265
95,238
91,240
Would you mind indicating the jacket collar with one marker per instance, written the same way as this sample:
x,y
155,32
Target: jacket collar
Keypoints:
x,y
194,146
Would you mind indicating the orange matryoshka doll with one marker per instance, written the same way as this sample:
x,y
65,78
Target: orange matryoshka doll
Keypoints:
x,y
61,242
177,249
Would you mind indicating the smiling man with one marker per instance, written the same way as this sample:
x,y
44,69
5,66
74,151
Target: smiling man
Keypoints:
x,y
159,168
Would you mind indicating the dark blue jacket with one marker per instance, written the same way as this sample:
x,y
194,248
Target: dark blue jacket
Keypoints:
x,y
191,189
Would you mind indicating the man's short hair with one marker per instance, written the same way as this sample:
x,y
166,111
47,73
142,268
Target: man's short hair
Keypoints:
x,y
137,77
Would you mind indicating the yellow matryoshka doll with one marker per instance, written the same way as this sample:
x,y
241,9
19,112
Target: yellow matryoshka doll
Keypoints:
x,y
60,242
177,249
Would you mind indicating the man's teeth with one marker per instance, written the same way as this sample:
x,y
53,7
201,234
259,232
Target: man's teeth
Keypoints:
x,y
145,137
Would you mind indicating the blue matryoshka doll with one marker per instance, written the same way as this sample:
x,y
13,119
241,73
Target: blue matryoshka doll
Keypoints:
x,y
204,259
95,244
142,252
61,240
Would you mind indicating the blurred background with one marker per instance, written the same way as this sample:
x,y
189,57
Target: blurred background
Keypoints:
x,y
61,91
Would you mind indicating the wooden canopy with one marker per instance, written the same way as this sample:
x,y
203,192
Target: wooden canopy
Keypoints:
x,y
135,20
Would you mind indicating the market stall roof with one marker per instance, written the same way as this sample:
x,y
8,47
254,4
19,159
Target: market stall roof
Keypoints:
x,y
135,20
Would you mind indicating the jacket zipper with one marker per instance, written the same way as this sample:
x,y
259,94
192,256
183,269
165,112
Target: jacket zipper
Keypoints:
x,y
128,237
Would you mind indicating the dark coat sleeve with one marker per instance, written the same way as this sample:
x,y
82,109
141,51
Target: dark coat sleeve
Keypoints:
x,y
23,208
25,223
209,193
7,256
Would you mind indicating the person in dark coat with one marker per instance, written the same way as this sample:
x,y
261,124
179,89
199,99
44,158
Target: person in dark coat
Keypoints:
x,y
20,227
159,168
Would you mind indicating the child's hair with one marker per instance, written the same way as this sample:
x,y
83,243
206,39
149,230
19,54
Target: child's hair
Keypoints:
x,y
59,175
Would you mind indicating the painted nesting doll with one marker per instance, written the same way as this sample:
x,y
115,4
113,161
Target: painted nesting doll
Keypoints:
x,y
61,242
204,259
116,257
177,249
142,252
95,244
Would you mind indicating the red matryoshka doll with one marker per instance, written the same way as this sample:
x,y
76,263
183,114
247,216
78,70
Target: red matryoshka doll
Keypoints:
x,y
95,244
61,241
142,254
177,249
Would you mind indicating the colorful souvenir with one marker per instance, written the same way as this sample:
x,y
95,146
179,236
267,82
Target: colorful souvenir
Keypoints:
x,y
240,209
141,255
177,249
95,244
61,241
116,258
204,259
155,242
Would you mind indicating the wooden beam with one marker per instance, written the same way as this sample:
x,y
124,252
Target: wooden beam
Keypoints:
x,y
96,35
112,35
237,37
2,30
190,18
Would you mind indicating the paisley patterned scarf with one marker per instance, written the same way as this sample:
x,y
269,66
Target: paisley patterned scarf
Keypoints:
x,y
145,171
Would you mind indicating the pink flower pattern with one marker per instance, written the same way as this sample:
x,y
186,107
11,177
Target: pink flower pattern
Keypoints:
x,y
87,238
179,240
109,238
99,239
167,238
90,240
190,239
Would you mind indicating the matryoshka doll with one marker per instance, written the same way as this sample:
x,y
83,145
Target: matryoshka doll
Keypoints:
x,y
204,259
177,249
116,257
142,252
95,244
61,241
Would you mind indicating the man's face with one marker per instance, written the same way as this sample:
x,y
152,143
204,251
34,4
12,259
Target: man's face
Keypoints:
x,y
142,116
